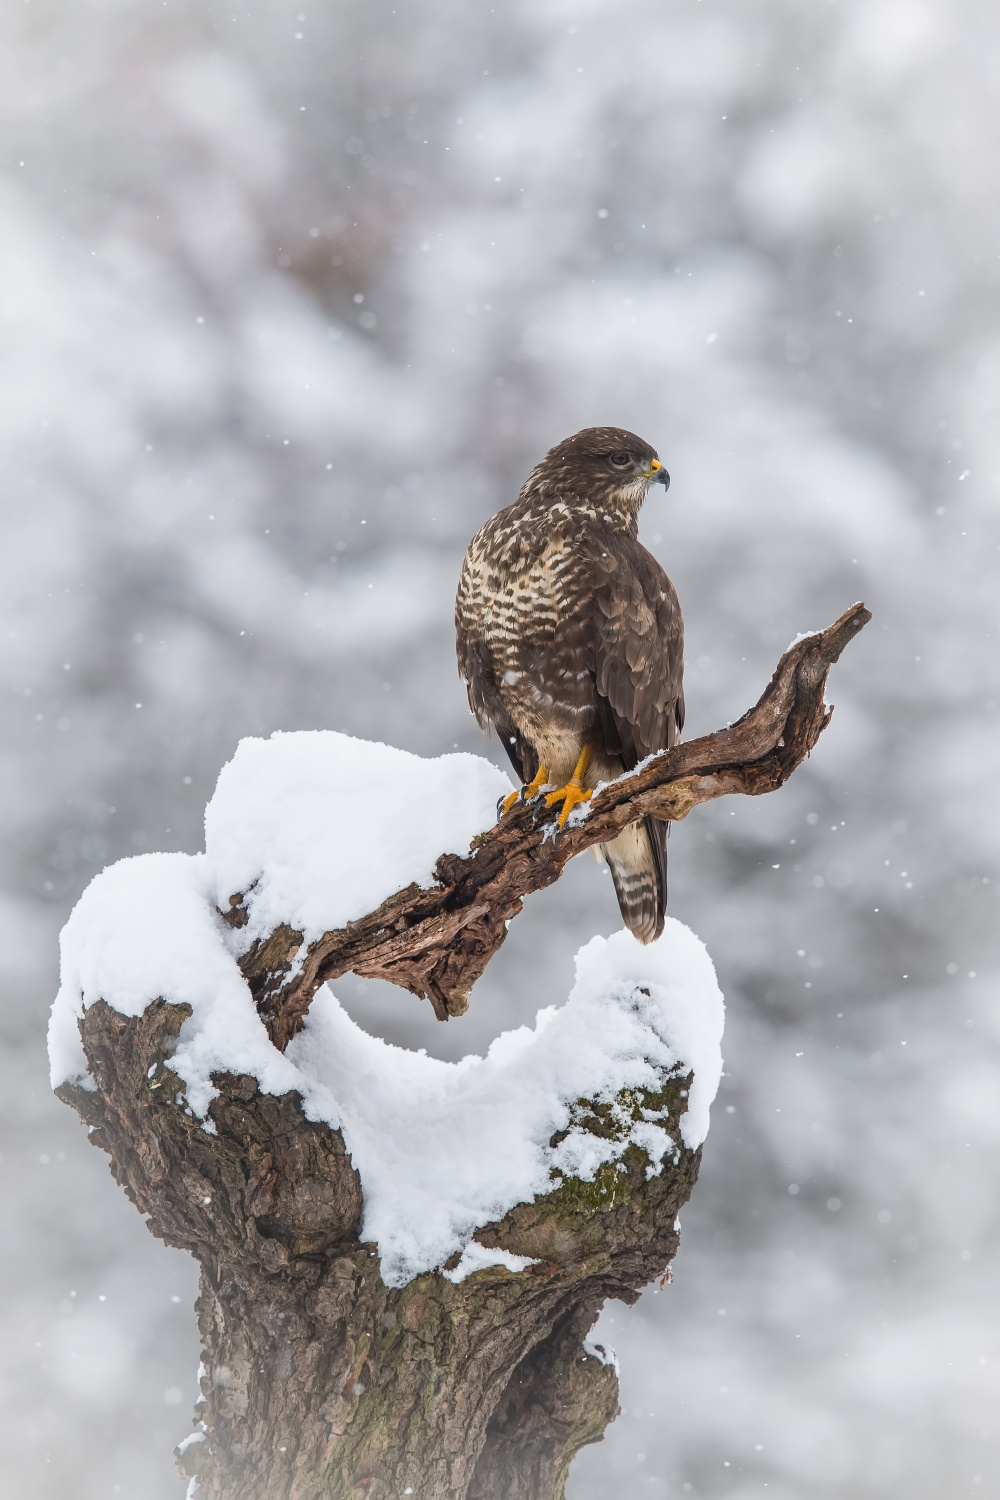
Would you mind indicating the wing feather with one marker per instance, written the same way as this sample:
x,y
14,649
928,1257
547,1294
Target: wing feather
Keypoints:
x,y
639,651
639,667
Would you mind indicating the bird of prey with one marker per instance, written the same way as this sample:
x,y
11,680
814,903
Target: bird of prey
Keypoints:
x,y
571,643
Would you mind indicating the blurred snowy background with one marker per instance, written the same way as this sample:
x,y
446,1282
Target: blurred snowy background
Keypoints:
x,y
291,301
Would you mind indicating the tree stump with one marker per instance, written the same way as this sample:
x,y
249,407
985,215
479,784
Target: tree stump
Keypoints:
x,y
319,1380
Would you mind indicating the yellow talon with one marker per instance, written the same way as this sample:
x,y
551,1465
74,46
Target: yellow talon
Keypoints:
x,y
571,795
535,786
527,792
573,792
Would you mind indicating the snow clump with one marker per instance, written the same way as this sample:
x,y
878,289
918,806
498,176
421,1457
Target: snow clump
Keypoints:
x,y
316,829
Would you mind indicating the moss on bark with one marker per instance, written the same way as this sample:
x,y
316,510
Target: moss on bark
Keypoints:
x,y
320,1382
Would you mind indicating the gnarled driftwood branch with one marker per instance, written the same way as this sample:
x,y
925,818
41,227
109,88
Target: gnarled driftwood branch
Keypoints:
x,y
436,942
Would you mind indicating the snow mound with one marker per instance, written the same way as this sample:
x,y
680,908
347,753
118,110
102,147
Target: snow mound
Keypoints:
x,y
317,828
144,929
441,1148
444,1148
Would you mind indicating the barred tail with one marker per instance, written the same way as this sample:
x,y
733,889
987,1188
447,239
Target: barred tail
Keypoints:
x,y
638,862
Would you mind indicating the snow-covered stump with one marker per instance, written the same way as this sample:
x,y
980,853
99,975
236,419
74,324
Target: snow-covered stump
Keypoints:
x,y
401,1258
319,1379
410,1316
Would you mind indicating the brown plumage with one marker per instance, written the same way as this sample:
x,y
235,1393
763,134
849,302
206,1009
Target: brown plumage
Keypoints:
x,y
570,638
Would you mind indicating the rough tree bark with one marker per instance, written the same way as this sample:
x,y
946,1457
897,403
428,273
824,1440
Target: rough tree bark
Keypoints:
x,y
436,942
319,1382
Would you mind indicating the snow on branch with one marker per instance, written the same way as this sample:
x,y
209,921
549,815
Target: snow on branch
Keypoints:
x,y
316,827
436,936
357,1208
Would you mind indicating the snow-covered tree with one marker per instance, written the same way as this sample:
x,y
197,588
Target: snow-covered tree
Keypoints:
x,y
401,1258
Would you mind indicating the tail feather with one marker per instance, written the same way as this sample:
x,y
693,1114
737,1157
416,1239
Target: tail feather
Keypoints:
x,y
637,859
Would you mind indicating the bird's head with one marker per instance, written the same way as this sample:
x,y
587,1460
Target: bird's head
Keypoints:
x,y
604,466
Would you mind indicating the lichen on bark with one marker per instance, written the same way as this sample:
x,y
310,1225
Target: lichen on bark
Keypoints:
x,y
318,1379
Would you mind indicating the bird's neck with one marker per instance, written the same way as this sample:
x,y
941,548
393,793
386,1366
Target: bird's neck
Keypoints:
x,y
561,504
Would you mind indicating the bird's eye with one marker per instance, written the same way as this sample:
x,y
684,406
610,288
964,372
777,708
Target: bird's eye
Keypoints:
x,y
621,460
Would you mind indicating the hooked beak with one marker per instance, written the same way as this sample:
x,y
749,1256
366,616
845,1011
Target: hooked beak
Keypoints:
x,y
658,474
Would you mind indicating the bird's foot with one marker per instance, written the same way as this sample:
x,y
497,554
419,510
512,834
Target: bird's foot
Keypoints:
x,y
570,795
573,792
526,793
535,785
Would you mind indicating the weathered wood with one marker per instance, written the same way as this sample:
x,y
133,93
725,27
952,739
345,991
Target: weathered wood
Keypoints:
x,y
319,1381
436,942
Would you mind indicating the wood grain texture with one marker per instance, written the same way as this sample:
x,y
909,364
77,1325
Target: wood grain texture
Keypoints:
x,y
318,1381
436,942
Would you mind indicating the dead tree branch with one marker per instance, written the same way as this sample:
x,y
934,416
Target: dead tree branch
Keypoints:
x,y
436,942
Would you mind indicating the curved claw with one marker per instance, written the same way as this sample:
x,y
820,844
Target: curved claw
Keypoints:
x,y
506,803
525,794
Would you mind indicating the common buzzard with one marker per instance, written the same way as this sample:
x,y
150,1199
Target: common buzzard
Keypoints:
x,y
571,643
